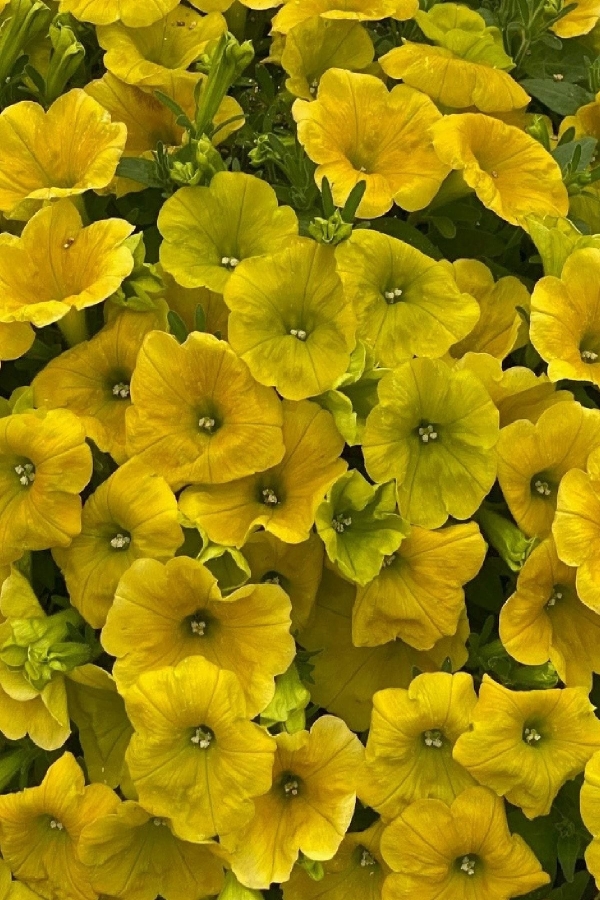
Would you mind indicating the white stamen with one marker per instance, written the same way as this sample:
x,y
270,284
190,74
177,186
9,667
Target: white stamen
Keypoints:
x,y
467,865
230,262
202,738
198,627
68,243
275,579
556,596
367,859
120,541
313,87
542,487
206,423
341,522
388,560
428,433
298,333
55,824
393,295
159,822
589,356
26,473
531,736
121,390
433,738
291,788
270,498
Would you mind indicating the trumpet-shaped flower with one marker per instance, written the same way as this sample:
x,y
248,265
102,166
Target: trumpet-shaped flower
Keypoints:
x,y
44,465
576,527
290,320
284,498
418,596
297,11
526,744
40,828
37,163
409,751
135,856
129,12
434,431
195,757
308,808
358,131
132,514
406,304
198,415
92,379
456,851
57,265
208,231
532,459
510,172
165,613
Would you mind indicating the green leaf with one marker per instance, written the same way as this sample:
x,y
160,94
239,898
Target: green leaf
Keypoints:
x,y
199,319
353,201
141,170
573,891
444,225
180,114
559,96
177,326
400,229
577,155
568,848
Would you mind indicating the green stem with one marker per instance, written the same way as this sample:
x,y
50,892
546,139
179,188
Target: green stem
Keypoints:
x,y
236,17
74,327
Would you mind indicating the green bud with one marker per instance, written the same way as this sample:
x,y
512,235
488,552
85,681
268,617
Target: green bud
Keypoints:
x,y
312,867
539,130
229,60
330,231
289,702
510,543
233,890
24,20
68,54
535,677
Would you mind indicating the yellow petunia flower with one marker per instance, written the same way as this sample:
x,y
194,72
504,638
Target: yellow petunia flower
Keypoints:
x,y
198,415
57,265
195,757
136,856
37,164
296,11
132,514
526,744
284,498
208,231
565,319
576,527
409,751
356,870
16,338
92,379
296,568
316,45
44,465
458,851
358,131
346,677
510,172
290,320
532,459
163,614
590,807
466,67
418,596
9,889
499,323
159,55
130,12
40,828
434,431
308,808
406,303
579,20
545,620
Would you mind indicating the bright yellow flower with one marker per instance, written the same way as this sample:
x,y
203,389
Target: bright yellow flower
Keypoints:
x,y
92,379
590,813
434,431
165,613
511,173
578,21
499,322
185,302
545,620
458,851
208,231
406,303
40,828
297,11
526,744
131,12
308,808
295,567
290,320
9,889
44,465
356,870
195,757
358,131
409,750
346,677
158,55
576,527
565,319
418,596
282,499
133,855
132,514
532,459
318,44
198,415
16,339
465,69
37,164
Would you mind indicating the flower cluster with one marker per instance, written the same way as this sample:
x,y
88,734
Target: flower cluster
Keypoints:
x,y
299,449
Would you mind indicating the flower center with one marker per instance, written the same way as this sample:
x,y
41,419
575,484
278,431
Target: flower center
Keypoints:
x,y
341,522
434,738
366,858
291,788
202,737
207,424
589,356
542,485
556,595
299,333
121,390
428,433
56,825
389,560
467,863
26,473
393,296
269,497
120,541
531,736
159,822
230,262
198,623
271,578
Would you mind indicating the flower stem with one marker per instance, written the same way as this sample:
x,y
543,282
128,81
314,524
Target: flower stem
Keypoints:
x,y
74,327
